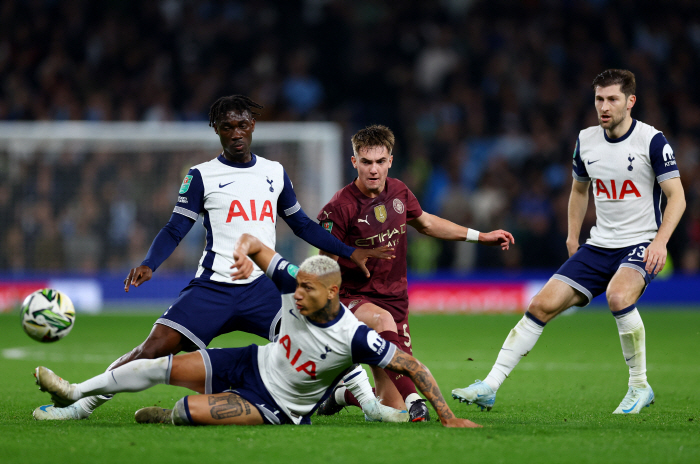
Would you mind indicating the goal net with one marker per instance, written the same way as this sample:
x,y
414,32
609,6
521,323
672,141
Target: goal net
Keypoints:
x,y
91,196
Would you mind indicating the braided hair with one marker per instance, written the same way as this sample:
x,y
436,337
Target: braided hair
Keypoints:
x,y
237,103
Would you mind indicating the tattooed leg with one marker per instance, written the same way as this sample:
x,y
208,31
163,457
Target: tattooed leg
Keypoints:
x,y
223,409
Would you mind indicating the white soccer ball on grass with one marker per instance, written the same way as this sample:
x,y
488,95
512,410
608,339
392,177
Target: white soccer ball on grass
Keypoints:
x,y
47,315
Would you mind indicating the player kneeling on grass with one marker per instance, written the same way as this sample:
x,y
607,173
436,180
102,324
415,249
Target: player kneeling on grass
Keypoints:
x,y
281,382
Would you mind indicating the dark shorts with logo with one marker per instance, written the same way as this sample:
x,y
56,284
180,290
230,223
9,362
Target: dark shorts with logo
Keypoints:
x,y
236,370
591,268
395,307
206,309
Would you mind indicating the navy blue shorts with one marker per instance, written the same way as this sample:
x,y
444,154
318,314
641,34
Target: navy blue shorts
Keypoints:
x,y
591,268
236,370
206,309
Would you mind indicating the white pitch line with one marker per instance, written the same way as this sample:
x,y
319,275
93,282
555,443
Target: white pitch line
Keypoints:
x,y
34,354
562,366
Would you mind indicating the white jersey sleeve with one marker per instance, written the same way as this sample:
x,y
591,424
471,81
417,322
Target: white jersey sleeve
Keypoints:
x,y
625,175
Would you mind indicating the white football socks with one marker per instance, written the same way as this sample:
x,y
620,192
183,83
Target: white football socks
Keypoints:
x,y
519,342
357,382
633,341
90,403
134,376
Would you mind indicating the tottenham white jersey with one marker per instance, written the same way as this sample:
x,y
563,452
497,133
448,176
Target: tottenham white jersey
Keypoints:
x,y
235,199
625,174
305,362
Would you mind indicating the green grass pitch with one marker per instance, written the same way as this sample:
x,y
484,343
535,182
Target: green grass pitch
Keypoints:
x,y
556,407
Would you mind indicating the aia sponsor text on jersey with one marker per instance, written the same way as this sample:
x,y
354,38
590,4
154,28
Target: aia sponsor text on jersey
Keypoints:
x,y
252,214
610,189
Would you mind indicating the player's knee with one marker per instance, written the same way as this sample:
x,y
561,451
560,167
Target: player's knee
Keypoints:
x,y
181,414
617,300
541,308
386,322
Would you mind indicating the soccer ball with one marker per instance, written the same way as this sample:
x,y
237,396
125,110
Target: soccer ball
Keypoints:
x,y
47,315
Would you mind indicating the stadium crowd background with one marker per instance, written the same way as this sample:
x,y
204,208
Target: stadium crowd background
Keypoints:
x,y
486,99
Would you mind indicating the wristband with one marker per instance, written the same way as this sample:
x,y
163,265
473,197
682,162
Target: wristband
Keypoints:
x,y
472,235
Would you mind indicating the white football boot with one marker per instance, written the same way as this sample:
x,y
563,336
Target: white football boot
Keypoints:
x,y
479,393
377,412
50,412
635,399
61,391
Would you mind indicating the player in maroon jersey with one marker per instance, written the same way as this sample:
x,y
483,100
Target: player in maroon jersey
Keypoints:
x,y
372,211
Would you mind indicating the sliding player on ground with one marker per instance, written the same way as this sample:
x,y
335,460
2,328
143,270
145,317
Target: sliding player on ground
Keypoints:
x,y
236,192
372,211
282,382
629,164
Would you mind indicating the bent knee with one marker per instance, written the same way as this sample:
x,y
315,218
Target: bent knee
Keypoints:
x,y
386,322
618,300
376,318
542,309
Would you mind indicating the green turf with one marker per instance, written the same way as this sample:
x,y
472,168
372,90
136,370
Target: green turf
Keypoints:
x,y
556,407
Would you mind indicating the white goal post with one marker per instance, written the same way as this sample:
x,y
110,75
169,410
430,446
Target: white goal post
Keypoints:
x,y
321,142
311,152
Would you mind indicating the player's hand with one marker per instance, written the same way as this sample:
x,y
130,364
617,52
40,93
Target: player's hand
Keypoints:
x,y
497,237
571,246
243,266
655,257
137,276
462,423
241,262
360,256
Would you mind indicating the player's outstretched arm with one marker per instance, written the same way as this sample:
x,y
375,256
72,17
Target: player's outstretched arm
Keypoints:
x,y
404,363
655,254
251,247
360,256
435,226
578,204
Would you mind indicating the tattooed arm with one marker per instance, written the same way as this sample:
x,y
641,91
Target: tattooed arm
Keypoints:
x,y
406,364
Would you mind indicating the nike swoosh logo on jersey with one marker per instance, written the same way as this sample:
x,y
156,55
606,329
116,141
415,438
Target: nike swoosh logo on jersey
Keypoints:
x,y
224,185
291,311
591,162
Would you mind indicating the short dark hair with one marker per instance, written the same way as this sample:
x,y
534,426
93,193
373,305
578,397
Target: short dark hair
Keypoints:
x,y
237,103
373,136
622,77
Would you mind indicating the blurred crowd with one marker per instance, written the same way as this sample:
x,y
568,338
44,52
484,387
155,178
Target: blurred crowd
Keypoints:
x,y
486,98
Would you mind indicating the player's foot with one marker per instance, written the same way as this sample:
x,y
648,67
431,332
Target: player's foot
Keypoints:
x,y
419,411
330,406
635,399
61,391
377,412
154,415
479,392
50,412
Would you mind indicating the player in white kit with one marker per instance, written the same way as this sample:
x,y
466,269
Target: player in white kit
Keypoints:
x,y
236,192
279,383
628,164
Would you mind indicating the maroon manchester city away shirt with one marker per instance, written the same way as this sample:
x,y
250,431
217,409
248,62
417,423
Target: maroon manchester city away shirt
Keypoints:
x,y
363,222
